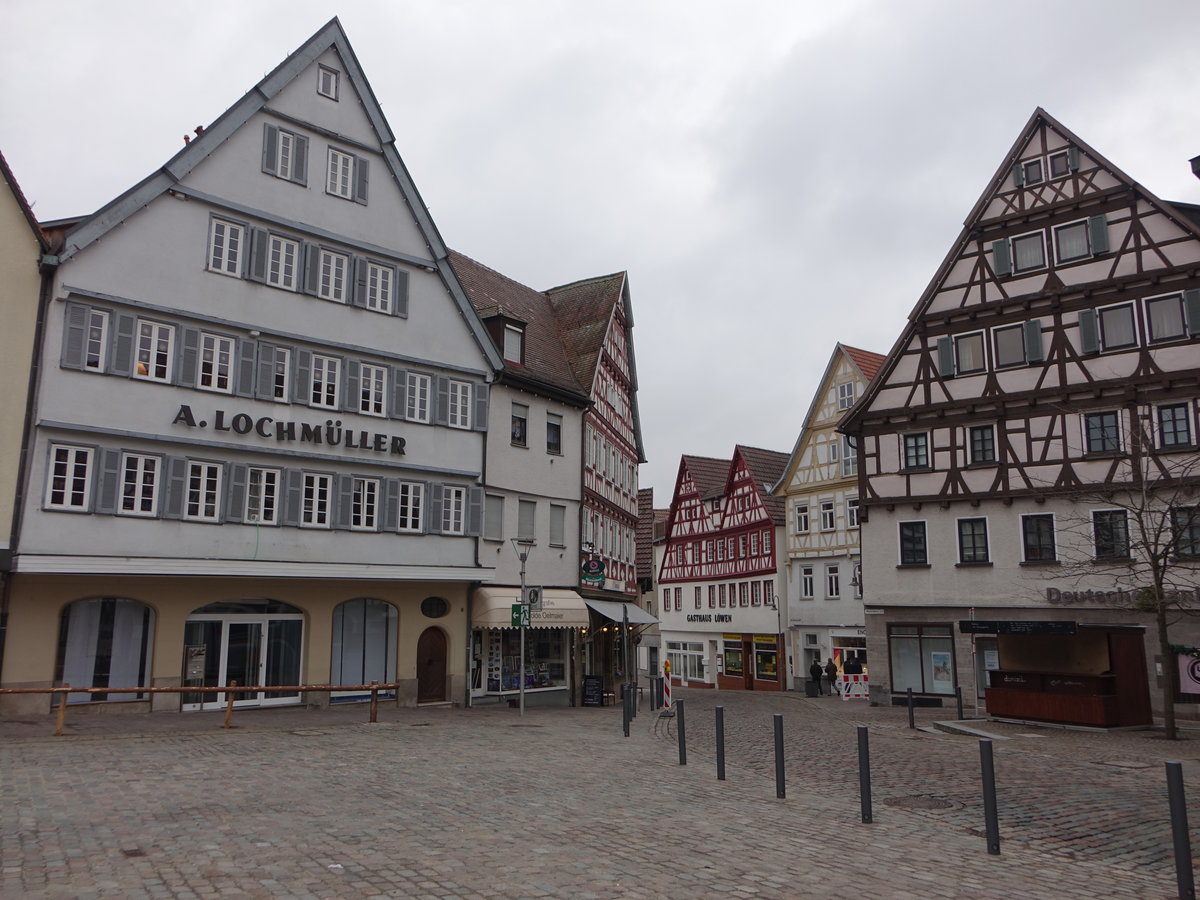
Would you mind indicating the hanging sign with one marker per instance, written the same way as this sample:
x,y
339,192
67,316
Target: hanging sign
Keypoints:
x,y
593,571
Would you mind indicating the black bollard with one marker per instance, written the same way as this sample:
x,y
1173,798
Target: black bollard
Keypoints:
x,y
911,722
720,711
864,775
779,789
958,699
682,733
625,716
991,822
1184,880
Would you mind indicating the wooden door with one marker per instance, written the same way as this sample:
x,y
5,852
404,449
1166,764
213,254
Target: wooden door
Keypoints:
x,y
431,666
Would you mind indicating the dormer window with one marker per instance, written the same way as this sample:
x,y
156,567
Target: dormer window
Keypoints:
x,y
514,344
327,82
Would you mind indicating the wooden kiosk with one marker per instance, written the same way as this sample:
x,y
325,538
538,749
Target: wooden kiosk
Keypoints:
x,y
1070,674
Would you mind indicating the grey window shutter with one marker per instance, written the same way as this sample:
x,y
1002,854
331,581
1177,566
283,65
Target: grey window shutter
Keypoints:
x,y
293,496
74,336
400,301
480,418
270,149
442,413
1001,257
361,176
353,377
235,502
474,511
300,159
1089,334
122,351
176,486
361,267
399,393
109,482
391,504
188,359
1033,341
246,351
259,244
1073,158
1191,306
265,389
345,501
1018,171
945,355
302,386
1098,231
312,268
433,508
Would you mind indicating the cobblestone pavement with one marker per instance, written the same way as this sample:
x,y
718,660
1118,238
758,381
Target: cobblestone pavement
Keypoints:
x,y
484,803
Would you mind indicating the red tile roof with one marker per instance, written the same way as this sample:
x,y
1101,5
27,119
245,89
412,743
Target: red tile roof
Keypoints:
x,y
766,467
644,533
868,363
584,310
710,475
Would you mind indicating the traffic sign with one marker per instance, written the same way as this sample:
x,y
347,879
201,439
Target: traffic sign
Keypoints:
x,y
533,596
520,615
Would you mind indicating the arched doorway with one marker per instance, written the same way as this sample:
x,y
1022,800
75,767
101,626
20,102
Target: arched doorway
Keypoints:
x,y
431,666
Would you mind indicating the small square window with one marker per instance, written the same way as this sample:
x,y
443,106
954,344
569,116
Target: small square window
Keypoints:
x,y
913,548
1033,171
1175,425
1071,241
982,444
1117,327
1010,345
1102,431
1060,165
327,82
972,541
916,451
968,353
1029,252
1165,315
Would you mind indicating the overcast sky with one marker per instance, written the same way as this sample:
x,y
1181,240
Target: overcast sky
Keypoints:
x,y
774,176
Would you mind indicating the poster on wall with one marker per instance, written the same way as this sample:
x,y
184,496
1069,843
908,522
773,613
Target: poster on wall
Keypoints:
x,y
1189,674
943,675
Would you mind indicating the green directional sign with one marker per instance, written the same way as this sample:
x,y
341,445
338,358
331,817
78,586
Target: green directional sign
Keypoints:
x,y
520,615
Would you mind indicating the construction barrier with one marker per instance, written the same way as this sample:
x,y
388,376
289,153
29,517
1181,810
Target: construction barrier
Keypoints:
x,y
854,687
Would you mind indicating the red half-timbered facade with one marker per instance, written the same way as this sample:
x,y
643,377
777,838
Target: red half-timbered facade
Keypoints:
x,y
1051,367
720,578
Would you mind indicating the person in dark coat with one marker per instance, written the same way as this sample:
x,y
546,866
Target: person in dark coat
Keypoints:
x,y
814,672
831,671
853,666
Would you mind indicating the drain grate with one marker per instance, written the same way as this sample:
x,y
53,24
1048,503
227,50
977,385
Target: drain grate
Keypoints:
x,y
136,851
920,801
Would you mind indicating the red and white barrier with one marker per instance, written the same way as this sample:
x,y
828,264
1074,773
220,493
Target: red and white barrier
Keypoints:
x,y
666,685
854,687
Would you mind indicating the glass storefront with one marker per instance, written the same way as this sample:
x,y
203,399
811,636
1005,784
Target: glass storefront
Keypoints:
x,y
547,651
104,642
735,664
922,658
766,657
364,646
687,660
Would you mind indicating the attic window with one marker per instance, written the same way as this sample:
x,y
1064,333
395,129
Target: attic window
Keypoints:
x,y
1060,165
514,344
1033,171
327,82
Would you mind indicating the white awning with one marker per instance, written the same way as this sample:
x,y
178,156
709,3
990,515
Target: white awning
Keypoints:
x,y
616,610
560,608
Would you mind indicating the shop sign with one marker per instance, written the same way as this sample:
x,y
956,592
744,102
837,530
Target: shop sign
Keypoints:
x,y
983,626
709,617
330,434
593,571
1120,598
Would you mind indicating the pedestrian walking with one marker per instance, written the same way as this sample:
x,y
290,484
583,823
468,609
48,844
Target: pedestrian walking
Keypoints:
x,y
831,671
814,672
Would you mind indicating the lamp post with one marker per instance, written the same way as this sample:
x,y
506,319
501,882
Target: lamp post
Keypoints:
x,y
523,547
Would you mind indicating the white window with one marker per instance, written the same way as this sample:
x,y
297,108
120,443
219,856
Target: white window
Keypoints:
x,y
327,82
454,504
70,483
493,518
849,456
216,363
203,502
833,582
340,182
526,510
139,484
324,390
846,395
225,242
372,390
380,287
802,519
364,504
285,155
279,361
95,340
852,512
513,339
1072,241
155,344
316,498
283,256
409,506
558,525
417,405
331,282
831,451
459,411
828,519
262,496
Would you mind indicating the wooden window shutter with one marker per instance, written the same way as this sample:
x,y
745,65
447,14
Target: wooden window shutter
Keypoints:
x,y
122,350
358,282
247,352
474,510
353,377
1098,232
345,502
399,393
361,177
480,413
1018,172
302,386
265,388
400,293
1033,341
433,508
1089,333
270,154
312,268
1001,257
109,481
176,484
391,504
259,252
293,496
1191,305
74,336
189,357
235,500
945,357
1073,158
442,390
300,159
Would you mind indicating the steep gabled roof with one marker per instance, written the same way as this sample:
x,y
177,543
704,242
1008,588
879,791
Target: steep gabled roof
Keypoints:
x,y
709,475
23,204
867,362
546,359
584,310
644,534
765,467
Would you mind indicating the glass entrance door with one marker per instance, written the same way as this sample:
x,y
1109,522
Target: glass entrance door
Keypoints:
x,y
253,650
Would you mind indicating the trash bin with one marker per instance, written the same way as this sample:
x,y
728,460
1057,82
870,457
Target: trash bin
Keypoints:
x,y
812,688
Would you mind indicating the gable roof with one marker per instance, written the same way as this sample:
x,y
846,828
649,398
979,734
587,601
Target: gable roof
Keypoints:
x,y
23,204
1181,214
644,534
708,474
331,35
765,467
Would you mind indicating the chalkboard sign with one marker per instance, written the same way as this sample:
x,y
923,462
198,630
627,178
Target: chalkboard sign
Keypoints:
x,y
593,690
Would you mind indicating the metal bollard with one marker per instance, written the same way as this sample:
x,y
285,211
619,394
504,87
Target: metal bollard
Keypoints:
x,y
374,702
625,715
958,700
682,732
229,705
864,775
911,722
1184,879
62,712
991,821
779,789
720,711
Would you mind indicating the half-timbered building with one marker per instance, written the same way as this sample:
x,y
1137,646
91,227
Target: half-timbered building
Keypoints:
x,y
820,489
1048,377
720,581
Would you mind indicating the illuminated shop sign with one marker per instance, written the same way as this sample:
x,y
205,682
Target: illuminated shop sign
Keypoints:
x,y
330,433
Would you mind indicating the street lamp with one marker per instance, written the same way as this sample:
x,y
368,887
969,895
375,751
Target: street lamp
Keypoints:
x,y
523,546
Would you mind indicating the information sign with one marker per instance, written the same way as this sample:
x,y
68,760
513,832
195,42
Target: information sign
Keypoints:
x,y
520,615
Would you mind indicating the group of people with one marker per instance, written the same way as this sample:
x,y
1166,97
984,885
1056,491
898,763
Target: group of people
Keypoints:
x,y
852,666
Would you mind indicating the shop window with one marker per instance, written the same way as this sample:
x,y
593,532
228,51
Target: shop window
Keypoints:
x,y
687,659
734,659
101,642
766,658
922,658
364,645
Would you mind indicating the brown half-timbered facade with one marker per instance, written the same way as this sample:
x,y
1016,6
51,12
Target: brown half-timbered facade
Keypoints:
x,y
720,581
1051,367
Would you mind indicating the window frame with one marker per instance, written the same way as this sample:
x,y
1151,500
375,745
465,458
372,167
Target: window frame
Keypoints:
x,y
1187,423
960,341
372,397
520,425
914,445
454,509
364,508
226,251
1103,431
558,525
324,390
852,511
1183,322
1019,328
328,81
849,456
828,513
143,490
458,407
281,374
262,495
156,357
1057,230
1028,236
1186,536
70,488
209,374
974,546
417,392
1119,541
202,491
833,581
845,394
554,424
339,173
410,506
1035,539
380,287
913,552
974,447
316,500
278,271
96,334
1103,312
802,522
333,285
